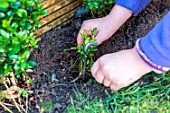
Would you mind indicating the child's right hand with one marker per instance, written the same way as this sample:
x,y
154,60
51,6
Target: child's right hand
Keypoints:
x,y
120,69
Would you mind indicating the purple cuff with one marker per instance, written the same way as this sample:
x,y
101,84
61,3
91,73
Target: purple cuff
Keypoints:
x,y
156,44
134,5
154,67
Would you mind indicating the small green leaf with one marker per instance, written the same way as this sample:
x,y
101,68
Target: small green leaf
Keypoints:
x,y
35,46
2,49
17,72
14,25
39,1
33,42
7,68
23,65
26,54
18,75
16,5
11,0
22,23
42,12
2,15
6,23
15,49
24,92
32,63
29,26
1,39
10,13
3,54
22,13
4,33
94,31
22,35
4,4
27,66
12,57
17,66
31,3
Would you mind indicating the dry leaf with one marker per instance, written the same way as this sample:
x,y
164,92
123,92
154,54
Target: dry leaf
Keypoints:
x,y
12,90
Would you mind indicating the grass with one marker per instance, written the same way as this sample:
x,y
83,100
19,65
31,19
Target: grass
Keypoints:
x,y
149,96
83,104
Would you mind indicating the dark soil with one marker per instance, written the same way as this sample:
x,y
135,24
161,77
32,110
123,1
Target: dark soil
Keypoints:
x,y
55,56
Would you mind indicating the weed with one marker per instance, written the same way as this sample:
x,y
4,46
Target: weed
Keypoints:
x,y
46,107
24,92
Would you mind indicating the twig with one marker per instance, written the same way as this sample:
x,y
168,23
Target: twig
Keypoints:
x,y
77,77
21,108
7,104
16,104
13,79
5,107
27,104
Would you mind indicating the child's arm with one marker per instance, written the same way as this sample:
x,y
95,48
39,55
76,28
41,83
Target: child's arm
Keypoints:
x,y
154,48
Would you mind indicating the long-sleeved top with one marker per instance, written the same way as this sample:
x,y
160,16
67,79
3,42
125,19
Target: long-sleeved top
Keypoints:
x,y
154,48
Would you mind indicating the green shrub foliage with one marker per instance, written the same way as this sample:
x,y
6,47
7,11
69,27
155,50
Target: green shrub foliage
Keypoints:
x,y
100,7
18,23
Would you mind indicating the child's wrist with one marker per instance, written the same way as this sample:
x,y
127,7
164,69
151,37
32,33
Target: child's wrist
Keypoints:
x,y
139,63
154,67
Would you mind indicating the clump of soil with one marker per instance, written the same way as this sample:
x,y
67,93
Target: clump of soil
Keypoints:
x,y
55,56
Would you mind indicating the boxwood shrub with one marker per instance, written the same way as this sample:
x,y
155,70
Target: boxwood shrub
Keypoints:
x,y
18,24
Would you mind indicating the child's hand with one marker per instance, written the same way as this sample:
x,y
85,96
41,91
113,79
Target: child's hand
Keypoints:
x,y
105,29
106,26
118,70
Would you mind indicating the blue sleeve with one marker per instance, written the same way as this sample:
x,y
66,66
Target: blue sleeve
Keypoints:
x,y
156,44
134,5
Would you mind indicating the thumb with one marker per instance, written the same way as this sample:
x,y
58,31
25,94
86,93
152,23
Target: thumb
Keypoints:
x,y
79,39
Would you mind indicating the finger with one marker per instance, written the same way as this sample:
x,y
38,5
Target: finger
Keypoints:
x,y
95,68
79,39
99,76
107,82
115,86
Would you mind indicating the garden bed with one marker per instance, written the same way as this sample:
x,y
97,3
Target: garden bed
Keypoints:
x,y
54,56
